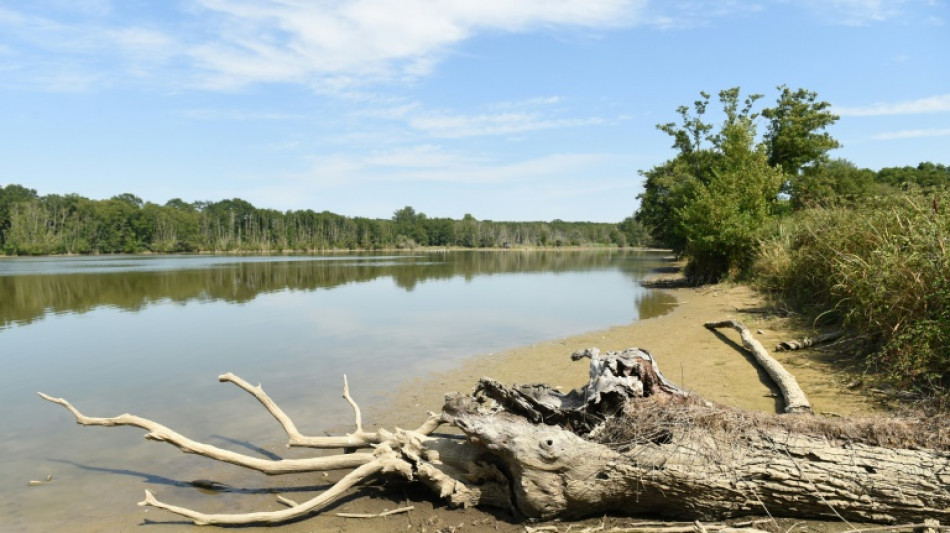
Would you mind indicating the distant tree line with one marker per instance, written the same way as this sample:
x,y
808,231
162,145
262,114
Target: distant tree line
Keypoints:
x,y
31,224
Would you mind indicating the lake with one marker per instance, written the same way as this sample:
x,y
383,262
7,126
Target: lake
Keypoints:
x,y
150,334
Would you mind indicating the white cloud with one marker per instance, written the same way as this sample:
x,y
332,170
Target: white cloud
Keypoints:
x,y
932,104
430,164
240,115
331,46
912,134
866,12
453,126
422,156
337,44
684,14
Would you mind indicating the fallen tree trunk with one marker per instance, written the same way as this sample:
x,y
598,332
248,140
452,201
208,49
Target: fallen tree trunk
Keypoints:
x,y
792,394
629,442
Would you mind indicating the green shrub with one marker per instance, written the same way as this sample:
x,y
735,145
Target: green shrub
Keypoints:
x,y
880,268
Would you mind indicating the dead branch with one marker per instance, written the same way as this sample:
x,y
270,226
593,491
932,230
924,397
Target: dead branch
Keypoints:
x,y
158,432
541,454
792,393
357,439
808,341
272,517
377,515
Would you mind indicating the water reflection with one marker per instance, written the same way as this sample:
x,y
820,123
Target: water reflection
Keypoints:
x,y
149,335
30,289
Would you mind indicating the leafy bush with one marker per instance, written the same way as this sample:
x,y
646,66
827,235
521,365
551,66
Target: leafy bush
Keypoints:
x,y
880,268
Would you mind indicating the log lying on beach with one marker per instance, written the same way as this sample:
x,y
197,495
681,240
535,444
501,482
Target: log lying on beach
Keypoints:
x,y
629,442
801,344
792,393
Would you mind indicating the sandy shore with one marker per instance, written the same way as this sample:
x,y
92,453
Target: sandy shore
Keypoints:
x,y
710,365
687,353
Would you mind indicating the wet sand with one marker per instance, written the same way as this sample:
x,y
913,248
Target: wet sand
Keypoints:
x,y
710,364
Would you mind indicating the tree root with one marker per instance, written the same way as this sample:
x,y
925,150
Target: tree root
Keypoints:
x,y
540,453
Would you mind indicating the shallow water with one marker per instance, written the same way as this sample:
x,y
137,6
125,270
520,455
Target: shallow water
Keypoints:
x,y
150,335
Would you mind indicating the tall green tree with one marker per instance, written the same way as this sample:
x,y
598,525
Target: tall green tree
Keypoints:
x,y
10,195
796,139
411,225
723,219
709,200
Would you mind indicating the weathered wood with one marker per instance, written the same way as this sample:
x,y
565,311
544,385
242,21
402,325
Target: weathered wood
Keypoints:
x,y
629,442
795,399
801,344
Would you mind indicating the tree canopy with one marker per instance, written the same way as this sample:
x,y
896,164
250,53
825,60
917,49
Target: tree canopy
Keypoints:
x,y
72,224
709,200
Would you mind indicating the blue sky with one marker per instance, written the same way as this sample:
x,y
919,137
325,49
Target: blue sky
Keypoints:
x,y
505,109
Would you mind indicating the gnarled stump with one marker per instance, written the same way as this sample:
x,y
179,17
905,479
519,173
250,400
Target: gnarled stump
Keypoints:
x,y
629,442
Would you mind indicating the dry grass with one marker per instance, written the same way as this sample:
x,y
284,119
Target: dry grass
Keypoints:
x,y
646,421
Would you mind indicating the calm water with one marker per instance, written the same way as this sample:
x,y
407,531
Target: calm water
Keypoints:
x,y
150,335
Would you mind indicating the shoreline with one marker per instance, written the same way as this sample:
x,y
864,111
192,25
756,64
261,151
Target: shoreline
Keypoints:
x,y
686,352
714,366
340,251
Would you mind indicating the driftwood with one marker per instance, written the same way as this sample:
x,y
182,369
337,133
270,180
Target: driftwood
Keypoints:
x,y
629,442
801,344
795,399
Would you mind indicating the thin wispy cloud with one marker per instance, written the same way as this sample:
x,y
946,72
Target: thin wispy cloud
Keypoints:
x,y
868,12
496,118
912,134
932,104
421,157
337,46
347,43
241,115
431,164
678,15
454,126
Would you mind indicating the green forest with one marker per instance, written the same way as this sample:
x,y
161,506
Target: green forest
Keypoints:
x,y
843,246
31,224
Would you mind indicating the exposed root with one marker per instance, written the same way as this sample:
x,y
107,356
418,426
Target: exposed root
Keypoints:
x,y
271,517
158,432
646,422
629,441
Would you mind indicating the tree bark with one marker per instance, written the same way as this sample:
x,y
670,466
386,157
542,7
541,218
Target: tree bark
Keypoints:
x,y
629,442
801,344
795,399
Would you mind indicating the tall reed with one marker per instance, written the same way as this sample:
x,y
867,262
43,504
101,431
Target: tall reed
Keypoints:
x,y
881,269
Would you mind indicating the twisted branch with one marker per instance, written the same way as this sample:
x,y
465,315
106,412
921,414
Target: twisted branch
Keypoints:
x,y
158,432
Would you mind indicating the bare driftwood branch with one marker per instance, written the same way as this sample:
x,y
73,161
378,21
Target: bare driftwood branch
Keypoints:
x,y
158,432
629,441
801,344
357,439
377,515
794,397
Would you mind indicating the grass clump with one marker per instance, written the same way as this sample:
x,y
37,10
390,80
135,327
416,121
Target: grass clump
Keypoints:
x,y
879,268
